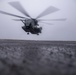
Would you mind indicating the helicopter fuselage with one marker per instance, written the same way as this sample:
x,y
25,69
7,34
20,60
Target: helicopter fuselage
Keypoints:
x,y
31,26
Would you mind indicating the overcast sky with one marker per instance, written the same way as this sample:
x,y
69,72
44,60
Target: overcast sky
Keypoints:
x,y
61,30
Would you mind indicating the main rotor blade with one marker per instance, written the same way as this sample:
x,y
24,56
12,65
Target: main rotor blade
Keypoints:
x,y
46,23
6,13
63,19
16,19
49,10
19,7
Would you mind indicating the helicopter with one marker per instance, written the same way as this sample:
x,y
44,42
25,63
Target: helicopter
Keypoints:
x,y
31,25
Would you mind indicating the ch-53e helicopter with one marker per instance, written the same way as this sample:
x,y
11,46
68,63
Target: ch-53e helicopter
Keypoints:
x,y
31,24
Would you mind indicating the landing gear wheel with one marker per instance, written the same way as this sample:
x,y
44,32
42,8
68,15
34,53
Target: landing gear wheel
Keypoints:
x,y
37,34
28,33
